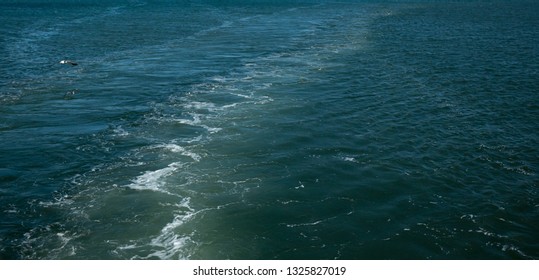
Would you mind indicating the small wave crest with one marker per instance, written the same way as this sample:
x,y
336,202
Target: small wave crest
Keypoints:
x,y
153,180
170,242
181,150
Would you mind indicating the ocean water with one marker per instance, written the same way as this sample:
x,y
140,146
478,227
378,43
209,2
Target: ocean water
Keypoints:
x,y
269,129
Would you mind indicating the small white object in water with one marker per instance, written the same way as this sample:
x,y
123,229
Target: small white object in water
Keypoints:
x,y
72,63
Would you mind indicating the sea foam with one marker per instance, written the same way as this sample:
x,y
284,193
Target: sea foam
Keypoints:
x,y
153,180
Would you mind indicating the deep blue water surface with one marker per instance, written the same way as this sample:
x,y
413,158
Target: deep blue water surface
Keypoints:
x,y
269,129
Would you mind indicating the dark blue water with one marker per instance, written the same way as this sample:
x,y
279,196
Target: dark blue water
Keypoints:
x,y
269,130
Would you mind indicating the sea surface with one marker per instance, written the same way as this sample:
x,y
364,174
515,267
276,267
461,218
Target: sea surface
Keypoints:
x,y
269,129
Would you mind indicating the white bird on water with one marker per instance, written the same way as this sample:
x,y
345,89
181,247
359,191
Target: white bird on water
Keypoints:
x,y
72,63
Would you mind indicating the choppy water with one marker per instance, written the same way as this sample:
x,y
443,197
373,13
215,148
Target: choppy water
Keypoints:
x,y
269,130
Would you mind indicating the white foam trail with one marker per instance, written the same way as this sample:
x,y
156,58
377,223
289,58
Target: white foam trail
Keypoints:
x,y
212,130
306,224
120,132
152,180
231,105
194,140
242,95
194,122
200,106
171,242
179,149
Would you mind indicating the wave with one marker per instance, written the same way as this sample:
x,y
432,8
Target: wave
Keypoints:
x,y
153,180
